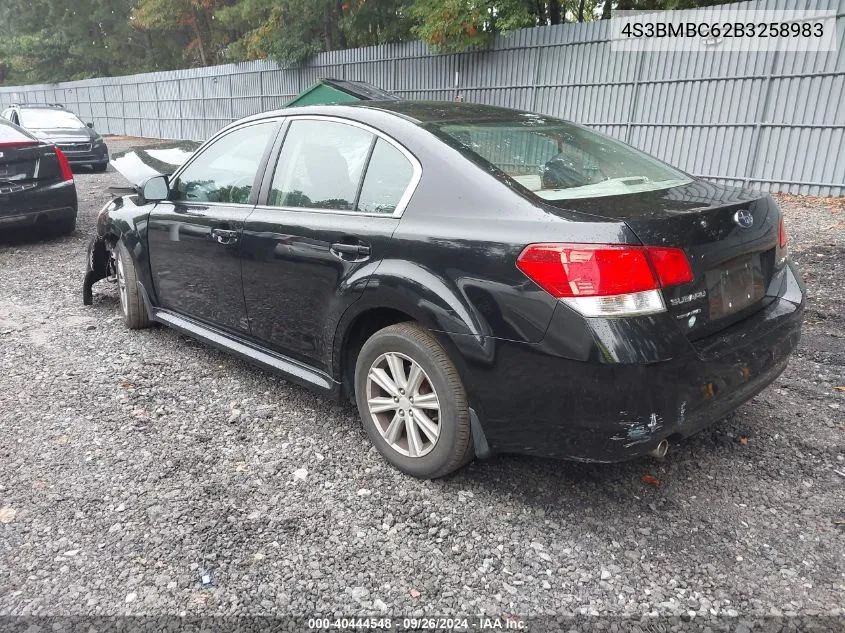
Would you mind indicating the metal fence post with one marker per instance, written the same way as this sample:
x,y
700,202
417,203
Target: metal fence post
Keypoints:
x,y
751,164
638,66
261,106
535,88
158,108
231,101
181,114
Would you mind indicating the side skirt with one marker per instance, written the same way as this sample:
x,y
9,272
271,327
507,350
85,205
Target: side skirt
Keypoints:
x,y
295,371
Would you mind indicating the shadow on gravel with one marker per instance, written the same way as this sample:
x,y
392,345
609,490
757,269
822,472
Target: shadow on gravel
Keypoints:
x,y
560,487
87,169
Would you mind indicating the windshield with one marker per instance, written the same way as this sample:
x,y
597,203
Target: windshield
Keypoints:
x,y
49,119
557,160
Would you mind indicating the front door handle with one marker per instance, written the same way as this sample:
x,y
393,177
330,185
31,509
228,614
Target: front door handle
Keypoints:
x,y
355,251
224,236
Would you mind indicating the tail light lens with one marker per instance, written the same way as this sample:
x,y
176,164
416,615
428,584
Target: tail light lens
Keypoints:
x,y
781,234
11,144
606,279
67,172
781,251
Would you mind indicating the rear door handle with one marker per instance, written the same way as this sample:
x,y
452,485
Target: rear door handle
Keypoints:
x,y
357,251
224,236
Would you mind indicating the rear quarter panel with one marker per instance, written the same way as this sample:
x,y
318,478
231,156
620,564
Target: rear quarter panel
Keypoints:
x,y
456,246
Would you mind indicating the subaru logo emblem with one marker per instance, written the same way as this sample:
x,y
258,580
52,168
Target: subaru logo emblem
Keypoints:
x,y
744,219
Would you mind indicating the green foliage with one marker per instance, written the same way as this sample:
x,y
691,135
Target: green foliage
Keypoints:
x,y
450,25
191,20
52,40
290,31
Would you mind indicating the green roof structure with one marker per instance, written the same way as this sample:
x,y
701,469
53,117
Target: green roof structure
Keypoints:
x,y
341,91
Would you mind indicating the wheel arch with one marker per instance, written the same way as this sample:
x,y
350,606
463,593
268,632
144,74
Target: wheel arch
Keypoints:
x,y
377,310
358,327
122,220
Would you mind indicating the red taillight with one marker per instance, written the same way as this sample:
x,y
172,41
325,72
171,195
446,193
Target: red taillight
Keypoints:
x,y
670,264
67,172
782,234
18,144
598,270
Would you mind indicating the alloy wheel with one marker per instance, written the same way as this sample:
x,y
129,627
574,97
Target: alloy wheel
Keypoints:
x,y
121,285
403,404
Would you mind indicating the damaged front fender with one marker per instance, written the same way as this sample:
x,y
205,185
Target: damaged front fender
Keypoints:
x,y
122,219
99,267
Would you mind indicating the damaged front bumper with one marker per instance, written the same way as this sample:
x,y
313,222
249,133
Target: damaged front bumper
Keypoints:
x,y
613,408
99,267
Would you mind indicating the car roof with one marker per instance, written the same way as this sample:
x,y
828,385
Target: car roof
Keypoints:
x,y
40,106
419,112
440,111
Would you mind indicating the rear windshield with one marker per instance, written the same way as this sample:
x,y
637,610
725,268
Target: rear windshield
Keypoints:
x,y
557,160
10,133
50,119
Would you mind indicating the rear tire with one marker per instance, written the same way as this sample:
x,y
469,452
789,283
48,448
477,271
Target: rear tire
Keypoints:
x,y
64,226
99,169
131,303
428,437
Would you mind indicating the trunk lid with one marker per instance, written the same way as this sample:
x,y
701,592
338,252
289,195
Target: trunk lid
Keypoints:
x,y
24,160
23,167
730,237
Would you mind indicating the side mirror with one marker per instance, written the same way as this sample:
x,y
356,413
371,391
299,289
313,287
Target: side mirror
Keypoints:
x,y
91,125
155,189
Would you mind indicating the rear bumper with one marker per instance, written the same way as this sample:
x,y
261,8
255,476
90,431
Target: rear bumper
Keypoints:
x,y
611,407
33,217
51,203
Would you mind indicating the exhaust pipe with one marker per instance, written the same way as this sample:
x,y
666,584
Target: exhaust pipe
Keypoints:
x,y
660,450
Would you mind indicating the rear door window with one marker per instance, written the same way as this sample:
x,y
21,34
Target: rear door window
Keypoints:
x,y
320,165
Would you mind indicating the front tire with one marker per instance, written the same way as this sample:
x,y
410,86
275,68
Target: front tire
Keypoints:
x,y
131,303
412,402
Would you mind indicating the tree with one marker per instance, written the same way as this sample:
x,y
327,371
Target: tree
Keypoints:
x,y
46,40
192,20
293,30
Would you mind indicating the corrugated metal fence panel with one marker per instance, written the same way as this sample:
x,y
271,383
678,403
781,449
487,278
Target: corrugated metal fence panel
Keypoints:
x,y
775,121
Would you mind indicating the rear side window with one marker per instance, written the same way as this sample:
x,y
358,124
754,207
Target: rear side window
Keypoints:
x,y
226,169
320,165
388,176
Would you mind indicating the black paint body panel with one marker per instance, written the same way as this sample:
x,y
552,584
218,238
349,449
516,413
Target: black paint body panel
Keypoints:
x,y
31,189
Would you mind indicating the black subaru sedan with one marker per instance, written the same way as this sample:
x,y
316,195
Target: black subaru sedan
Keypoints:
x,y
476,279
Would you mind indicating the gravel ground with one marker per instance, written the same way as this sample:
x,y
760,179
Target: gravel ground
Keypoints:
x,y
144,473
